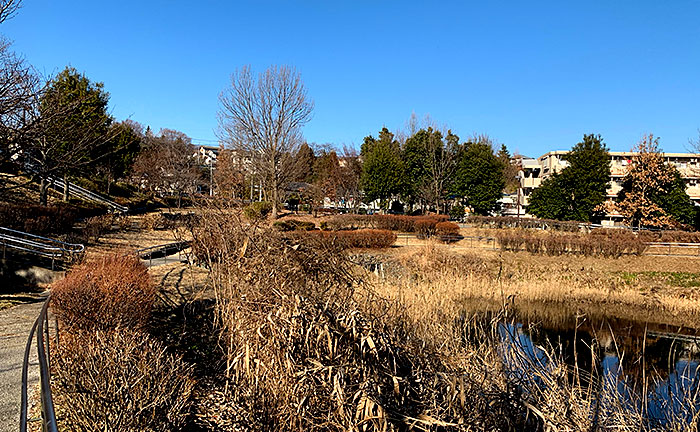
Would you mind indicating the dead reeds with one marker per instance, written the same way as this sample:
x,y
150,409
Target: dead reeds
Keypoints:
x,y
308,346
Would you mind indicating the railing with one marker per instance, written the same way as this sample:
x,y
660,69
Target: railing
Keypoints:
x,y
38,245
86,194
674,249
162,250
655,248
451,238
48,416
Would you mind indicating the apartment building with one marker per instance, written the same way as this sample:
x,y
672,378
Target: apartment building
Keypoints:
x,y
534,171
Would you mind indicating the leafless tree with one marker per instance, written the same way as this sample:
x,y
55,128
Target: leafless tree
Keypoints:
x,y
167,164
350,172
263,117
694,144
20,86
439,166
8,9
47,157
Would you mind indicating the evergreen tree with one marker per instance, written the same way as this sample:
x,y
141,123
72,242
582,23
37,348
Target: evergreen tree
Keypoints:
x,y
382,168
550,200
579,189
73,128
510,170
304,162
122,148
479,176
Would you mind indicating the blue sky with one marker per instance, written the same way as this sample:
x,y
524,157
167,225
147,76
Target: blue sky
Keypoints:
x,y
533,75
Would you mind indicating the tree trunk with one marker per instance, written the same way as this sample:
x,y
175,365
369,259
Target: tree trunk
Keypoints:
x,y
274,204
43,191
66,188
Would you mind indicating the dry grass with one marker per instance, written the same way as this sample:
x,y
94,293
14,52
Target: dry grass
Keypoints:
x,y
119,380
591,285
310,347
440,285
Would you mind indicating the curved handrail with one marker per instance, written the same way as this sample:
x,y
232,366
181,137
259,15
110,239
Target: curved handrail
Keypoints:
x,y
42,246
73,247
48,414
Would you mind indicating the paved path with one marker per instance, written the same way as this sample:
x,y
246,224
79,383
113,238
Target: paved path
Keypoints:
x,y
15,324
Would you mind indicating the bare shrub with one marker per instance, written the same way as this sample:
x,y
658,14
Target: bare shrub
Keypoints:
x,y
119,380
156,221
109,292
611,243
123,222
358,239
97,226
37,219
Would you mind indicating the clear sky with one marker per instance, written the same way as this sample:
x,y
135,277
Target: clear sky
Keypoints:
x,y
533,75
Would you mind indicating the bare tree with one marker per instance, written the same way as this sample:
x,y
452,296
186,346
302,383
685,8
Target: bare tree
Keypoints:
x,y
350,172
439,167
263,117
167,165
19,87
8,9
694,144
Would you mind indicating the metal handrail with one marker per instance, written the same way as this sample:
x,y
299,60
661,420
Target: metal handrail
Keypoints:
x,y
48,415
15,234
38,245
58,183
148,252
184,244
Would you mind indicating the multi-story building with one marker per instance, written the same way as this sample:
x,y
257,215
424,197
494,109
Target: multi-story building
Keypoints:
x,y
534,171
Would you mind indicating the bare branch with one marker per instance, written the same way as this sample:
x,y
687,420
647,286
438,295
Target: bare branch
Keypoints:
x,y
8,9
262,119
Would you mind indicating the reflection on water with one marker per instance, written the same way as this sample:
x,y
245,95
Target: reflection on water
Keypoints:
x,y
653,368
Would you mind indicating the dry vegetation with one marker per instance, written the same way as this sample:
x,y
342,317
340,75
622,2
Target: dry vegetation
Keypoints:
x,y
309,347
311,344
608,243
292,335
108,372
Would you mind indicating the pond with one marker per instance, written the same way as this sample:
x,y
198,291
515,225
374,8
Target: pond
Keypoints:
x,y
650,368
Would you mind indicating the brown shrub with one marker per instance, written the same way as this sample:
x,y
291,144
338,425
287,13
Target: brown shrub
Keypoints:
x,y
610,243
110,292
358,239
156,221
36,219
97,226
447,232
119,380
423,226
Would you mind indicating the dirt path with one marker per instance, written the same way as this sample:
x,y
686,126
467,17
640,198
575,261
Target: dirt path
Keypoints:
x,y
15,324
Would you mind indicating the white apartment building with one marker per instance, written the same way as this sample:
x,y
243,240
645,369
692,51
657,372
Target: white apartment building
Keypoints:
x,y
534,171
